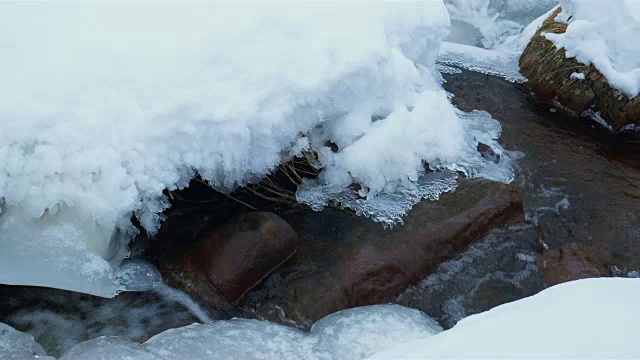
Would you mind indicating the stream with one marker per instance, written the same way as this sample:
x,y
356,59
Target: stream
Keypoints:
x,y
578,183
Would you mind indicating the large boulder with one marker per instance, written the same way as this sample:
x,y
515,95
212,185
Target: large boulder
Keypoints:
x,y
345,261
548,71
233,258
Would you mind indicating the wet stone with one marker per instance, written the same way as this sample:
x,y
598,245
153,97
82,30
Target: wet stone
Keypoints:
x,y
346,261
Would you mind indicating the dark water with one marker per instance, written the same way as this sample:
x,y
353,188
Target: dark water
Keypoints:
x,y
566,158
579,184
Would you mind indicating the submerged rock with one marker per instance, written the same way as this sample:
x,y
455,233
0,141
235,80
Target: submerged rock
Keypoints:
x,y
498,270
346,261
573,262
549,73
233,258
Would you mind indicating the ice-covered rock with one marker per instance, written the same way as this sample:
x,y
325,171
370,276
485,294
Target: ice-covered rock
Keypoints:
x,y
501,58
16,345
356,333
350,334
496,21
138,275
108,348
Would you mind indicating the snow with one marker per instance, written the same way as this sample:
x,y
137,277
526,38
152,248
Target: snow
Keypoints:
x,y
585,319
349,334
100,115
577,76
605,34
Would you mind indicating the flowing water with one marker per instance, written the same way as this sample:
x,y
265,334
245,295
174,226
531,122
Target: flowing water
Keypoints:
x,y
578,183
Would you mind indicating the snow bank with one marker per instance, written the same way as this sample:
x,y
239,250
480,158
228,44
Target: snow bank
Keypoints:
x,y
586,319
605,34
103,106
349,334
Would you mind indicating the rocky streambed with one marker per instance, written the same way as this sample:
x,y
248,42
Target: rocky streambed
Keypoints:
x,y
573,211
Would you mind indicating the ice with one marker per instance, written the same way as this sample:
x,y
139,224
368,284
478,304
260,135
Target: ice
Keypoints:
x,y
584,319
389,204
605,34
348,334
108,348
15,345
233,339
101,115
138,275
64,250
492,21
360,332
489,62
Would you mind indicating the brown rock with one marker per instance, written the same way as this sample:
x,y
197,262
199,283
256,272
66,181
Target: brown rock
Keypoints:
x,y
548,72
572,262
235,257
346,261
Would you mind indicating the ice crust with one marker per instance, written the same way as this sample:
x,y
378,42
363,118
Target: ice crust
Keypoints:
x,y
349,334
605,34
100,115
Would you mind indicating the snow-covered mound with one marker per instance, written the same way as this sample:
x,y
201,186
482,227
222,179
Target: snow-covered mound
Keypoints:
x,y
585,319
103,106
605,34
